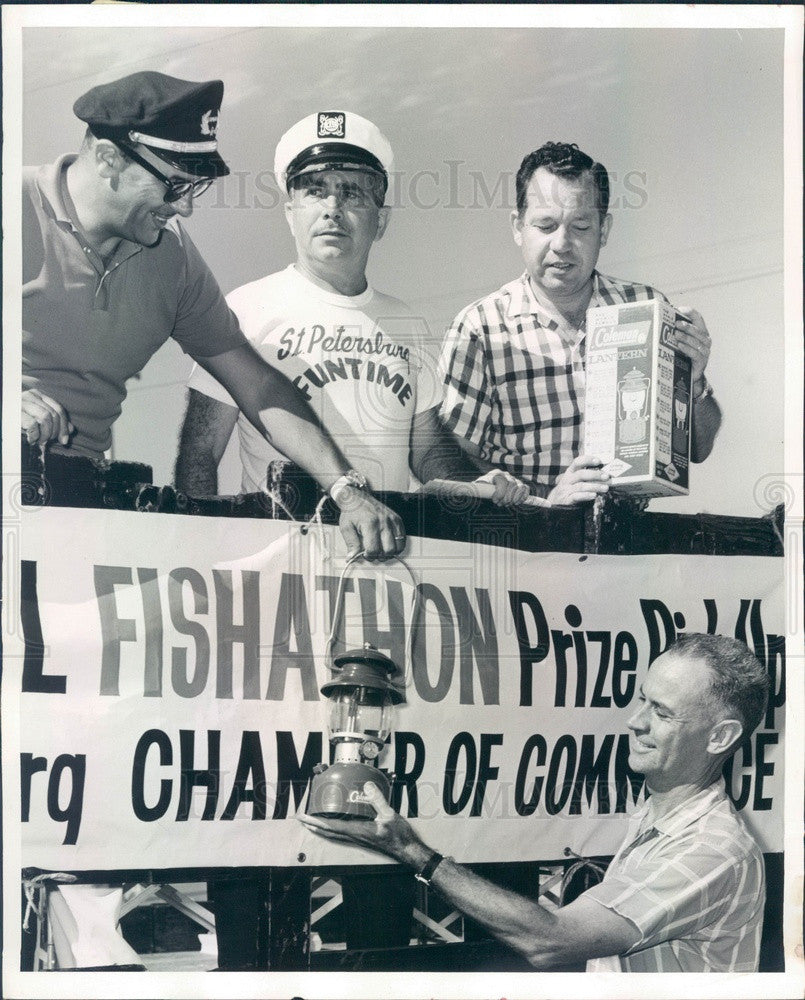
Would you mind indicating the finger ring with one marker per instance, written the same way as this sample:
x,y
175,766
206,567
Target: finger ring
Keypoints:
x,y
399,536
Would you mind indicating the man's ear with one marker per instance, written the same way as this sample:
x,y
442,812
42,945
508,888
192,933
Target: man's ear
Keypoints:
x,y
724,735
108,159
383,217
517,227
288,206
606,225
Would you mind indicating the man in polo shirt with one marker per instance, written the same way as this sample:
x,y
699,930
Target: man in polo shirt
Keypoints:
x,y
513,361
686,890
109,275
359,356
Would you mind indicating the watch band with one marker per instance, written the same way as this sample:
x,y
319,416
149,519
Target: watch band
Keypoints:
x,y
427,871
707,390
350,478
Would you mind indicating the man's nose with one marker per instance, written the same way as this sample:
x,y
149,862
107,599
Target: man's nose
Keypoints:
x,y
333,203
560,240
638,719
184,205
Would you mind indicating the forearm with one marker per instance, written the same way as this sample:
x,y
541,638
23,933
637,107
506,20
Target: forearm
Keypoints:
x,y
539,489
196,473
705,425
438,453
510,917
279,411
207,426
583,929
443,457
281,414
518,922
301,439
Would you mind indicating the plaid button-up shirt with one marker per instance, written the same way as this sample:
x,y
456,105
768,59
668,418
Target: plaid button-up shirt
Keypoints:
x,y
514,386
693,886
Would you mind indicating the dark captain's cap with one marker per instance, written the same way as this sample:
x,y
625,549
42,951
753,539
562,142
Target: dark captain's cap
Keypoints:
x,y
176,119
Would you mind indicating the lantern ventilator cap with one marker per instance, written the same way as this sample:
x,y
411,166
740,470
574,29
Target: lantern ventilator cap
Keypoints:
x,y
366,667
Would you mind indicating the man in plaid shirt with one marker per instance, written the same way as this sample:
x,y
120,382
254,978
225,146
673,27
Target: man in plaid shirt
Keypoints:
x,y
513,362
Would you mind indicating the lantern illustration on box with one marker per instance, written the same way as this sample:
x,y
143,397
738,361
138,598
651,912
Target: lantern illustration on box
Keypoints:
x,y
633,395
679,436
361,699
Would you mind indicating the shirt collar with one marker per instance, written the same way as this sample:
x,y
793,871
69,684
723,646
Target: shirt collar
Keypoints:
x,y
48,182
523,302
687,813
606,291
596,298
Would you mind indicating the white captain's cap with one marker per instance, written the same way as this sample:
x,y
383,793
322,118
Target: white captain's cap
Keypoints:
x,y
332,140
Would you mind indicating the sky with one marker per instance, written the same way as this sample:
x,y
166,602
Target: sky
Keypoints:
x,y
688,121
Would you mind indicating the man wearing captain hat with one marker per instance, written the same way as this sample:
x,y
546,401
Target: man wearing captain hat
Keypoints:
x,y
356,354
109,275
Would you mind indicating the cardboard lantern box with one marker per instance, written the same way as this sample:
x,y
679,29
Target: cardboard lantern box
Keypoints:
x,y
638,398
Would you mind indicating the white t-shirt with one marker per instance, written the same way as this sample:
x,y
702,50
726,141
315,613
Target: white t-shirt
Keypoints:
x,y
360,361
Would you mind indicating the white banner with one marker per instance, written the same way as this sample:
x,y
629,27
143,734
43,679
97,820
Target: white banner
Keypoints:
x,y
170,712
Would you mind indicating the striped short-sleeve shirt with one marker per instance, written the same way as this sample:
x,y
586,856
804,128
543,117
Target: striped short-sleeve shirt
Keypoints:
x,y
693,886
514,386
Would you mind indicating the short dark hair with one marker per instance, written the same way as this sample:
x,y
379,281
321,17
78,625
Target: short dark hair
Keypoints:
x,y
564,159
740,682
89,139
91,136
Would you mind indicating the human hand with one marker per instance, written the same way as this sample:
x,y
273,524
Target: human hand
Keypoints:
x,y
692,339
388,833
43,419
583,480
509,491
368,525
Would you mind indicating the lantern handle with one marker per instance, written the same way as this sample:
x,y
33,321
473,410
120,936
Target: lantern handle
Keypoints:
x,y
337,610
272,491
339,606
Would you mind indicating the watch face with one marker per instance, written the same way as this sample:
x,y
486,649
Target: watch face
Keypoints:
x,y
351,478
356,479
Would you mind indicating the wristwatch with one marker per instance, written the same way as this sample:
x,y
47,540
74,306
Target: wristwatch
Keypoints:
x,y
426,873
707,390
350,478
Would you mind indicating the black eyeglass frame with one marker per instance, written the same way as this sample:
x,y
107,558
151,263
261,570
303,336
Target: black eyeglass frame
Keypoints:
x,y
176,189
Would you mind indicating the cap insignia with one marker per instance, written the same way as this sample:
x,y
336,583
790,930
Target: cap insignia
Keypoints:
x,y
209,123
331,125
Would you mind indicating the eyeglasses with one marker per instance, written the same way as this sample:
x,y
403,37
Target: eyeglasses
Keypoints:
x,y
176,189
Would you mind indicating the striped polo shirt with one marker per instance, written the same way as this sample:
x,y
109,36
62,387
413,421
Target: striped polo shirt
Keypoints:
x,y
514,386
692,884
